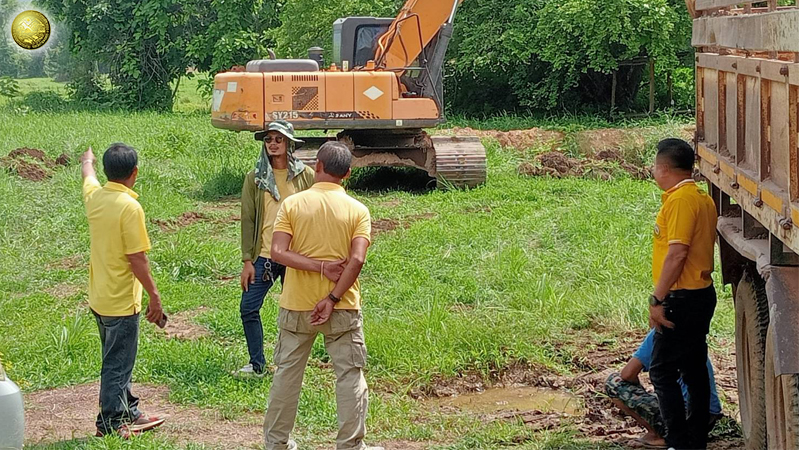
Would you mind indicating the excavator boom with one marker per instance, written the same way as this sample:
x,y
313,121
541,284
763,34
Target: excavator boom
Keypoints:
x,y
416,25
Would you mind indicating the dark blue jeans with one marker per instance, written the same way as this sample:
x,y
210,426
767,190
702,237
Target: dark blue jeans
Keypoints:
x,y
267,272
119,338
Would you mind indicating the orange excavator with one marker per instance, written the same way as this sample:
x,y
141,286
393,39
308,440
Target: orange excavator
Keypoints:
x,y
382,88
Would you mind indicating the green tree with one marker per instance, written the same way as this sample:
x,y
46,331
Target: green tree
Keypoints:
x,y
14,60
149,44
581,38
540,54
309,23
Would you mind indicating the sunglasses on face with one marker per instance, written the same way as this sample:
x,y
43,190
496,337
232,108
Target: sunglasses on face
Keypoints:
x,y
269,139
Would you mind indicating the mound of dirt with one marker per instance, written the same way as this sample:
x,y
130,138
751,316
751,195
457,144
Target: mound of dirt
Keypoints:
x,y
602,165
32,164
593,141
517,139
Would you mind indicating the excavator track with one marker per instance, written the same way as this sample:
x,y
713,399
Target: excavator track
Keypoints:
x,y
460,160
455,161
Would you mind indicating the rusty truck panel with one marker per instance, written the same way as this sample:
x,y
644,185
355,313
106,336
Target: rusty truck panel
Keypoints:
x,y
747,112
747,147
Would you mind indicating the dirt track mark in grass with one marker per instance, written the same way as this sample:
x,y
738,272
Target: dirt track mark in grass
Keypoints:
x,y
383,225
182,326
68,413
32,164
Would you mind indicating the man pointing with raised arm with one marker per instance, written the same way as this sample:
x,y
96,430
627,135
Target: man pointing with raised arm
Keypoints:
x,y
118,272
314,228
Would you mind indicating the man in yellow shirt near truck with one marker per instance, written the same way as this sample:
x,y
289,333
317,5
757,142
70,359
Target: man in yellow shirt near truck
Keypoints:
x,y
118,270
683,302
315,229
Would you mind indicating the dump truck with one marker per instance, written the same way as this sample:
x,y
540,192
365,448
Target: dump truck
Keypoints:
x,y
382,89
746,142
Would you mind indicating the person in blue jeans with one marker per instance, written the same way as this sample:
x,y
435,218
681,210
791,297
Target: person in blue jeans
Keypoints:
x,y
277,175
630,396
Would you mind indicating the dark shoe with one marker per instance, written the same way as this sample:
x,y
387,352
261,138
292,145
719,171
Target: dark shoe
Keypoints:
x,y
124,432
146,423
713,419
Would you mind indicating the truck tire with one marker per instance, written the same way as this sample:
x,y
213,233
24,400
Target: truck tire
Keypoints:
x,y
781,402
752,320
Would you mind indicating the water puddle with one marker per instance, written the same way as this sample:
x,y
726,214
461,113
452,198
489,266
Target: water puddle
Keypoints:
x,y
509,399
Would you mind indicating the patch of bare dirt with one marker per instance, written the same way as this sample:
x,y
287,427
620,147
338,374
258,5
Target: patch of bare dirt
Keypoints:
x,y
69,413
68,263
184,220
224,204
407,445
592,360
383,225
32,164
182,326
391,203
517,139
593,141
601,165
189,218
64,290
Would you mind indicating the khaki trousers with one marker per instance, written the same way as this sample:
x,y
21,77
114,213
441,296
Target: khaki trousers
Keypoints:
x,y
344,340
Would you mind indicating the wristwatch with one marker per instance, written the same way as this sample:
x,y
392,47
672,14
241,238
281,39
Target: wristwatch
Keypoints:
x,y
333,298
654,301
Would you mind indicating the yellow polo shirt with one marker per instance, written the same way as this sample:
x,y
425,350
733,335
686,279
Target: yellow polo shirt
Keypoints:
x,y
285,189
687,216
116,228
323,221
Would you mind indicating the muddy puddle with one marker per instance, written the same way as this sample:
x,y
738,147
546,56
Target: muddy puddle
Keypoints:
x,y
524,398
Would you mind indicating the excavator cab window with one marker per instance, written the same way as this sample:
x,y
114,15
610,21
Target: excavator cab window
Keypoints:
x,y
356,38
366,43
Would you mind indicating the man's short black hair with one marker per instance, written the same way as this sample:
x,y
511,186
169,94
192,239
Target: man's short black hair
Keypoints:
x,y
119,160
677,153
335,158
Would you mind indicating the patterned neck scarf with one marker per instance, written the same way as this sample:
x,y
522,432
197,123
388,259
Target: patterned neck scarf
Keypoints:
x,y
265,176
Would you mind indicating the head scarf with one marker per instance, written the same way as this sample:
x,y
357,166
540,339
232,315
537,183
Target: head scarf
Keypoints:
x,y
265,176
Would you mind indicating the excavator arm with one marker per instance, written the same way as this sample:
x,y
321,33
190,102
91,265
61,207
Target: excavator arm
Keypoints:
x,y
416,25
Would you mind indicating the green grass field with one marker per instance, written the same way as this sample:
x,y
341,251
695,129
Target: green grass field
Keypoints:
x,y
475,281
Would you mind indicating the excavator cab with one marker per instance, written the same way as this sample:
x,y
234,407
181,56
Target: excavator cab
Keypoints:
x,y
383,87
355,39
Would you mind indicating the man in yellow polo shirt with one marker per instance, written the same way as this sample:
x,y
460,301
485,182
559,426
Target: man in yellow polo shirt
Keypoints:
x,y
118,270
682,304
315,229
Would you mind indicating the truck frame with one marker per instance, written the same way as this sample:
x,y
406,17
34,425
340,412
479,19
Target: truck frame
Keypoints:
x,y
747,148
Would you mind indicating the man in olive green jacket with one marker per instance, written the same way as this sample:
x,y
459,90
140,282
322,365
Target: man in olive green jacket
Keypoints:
x,y
278,174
